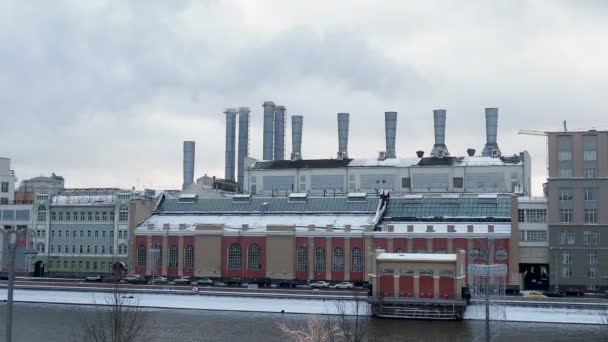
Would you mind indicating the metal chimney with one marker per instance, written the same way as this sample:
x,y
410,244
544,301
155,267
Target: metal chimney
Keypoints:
x,y
491,148
390,128
268,129
230,143
297,121
243,145
279,133
188,164
343,121
439,149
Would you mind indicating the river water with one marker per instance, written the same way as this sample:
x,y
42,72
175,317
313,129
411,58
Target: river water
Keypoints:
x,y
57,323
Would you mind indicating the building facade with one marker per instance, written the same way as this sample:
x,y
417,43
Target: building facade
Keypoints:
x,y
578,209
7,181
534,260
80,231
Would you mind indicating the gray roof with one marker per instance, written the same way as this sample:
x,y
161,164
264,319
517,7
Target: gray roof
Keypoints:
x,y
276,205
402,209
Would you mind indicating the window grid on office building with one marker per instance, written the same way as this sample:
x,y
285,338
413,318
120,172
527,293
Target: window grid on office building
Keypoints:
x,y
356,263
567,272
189,256
254,257
123,213
592,272
172,256
566,258
566,238
591,215
302,259
234,256
319,259
591,238
338,260
565,215
565,172
592,258
536,235
141,255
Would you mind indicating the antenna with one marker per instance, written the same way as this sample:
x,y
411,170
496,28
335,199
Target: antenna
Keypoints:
x,y
565,126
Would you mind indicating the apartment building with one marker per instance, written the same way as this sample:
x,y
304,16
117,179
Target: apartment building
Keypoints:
x,y
578,209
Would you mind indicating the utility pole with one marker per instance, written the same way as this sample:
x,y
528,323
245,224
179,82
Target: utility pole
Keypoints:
x,y
12,238
487,292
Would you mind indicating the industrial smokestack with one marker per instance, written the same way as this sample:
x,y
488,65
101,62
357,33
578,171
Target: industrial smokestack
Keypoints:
x,y
230,143
268,129
491,148
343,120
439,149
243,145
297,121
188,164
279,133
390,128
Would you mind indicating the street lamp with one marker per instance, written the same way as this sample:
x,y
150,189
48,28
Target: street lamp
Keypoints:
x,y
13,233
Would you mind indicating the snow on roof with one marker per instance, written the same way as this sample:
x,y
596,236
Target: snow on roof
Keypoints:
x,y
298,195
402,162
417,257
259,222
442,228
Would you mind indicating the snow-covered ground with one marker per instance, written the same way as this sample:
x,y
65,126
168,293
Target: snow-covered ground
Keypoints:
x,y
289,305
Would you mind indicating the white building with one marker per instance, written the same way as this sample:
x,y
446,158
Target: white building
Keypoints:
x,y
7,181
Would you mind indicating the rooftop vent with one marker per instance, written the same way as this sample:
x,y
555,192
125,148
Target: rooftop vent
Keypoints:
x,y
241,198
382,155
357,196
471,152
298,197
187,198
420,154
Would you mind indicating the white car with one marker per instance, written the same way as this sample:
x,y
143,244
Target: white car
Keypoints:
x,y
159,280
319,285
184,280
345,285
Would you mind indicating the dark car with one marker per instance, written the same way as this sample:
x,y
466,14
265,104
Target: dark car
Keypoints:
x,y
205,282
135,279
97,278
287,283
572,291
233,282
261,282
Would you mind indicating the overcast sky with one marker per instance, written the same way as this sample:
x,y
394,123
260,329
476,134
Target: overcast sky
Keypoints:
x,y
104,92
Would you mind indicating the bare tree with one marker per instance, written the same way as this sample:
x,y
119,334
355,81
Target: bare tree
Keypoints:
x,y
315,330
119,319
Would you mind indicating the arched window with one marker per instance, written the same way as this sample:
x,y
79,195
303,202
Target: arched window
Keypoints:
x,y
302,259
356,260
173,256
319,259
157,255
234,256
254,257
440,251
189,256
41,213
501,254
400,250
123,213
141,255
338,260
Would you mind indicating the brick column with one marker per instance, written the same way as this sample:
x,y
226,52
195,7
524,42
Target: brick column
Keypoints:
x,y
347,258
416,286
180,256
396,285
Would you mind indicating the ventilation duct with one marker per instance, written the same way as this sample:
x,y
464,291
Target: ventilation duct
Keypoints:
x,y
343,121
243,144
279,133
491,148
297,121
390,128
439,148
188,164
230,143
268,129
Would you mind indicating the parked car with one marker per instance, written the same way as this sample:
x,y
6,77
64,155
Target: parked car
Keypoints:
x,y
287,283
205,282
319,285
345,285
553,294
183,280
233,282
159,280
135,279
261,282
571,291
97,278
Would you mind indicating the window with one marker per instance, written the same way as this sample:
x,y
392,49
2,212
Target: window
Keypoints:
x,y
74,216
458,182
536,235
120,234
319,259
80,265
73,264
103,234
302,259
400,250
111,216
157,254
356,263
52,249
88,249
501,254
58,248
88,233
73,249
566,258
95,249
254,257
111,234
74,234
60,216
41,213
103,249
565,155
82,233
52,233
338,260
123,213
94,265
102,265
591,194
87,265
97,216
67,250
566,272
234,256
566,237
592,272
565,172
406,183
96,233
591,238
104,216
90,216
592,258
67,216
111,249
189,257
82,216
590,172
4,186
59,233
141,256
53,216
565,195
591,215
477,253
521,215
590,155
81,249
565,215
172,255
440,251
